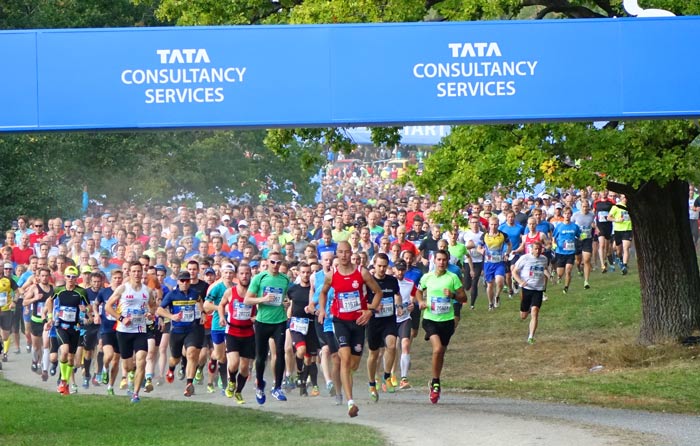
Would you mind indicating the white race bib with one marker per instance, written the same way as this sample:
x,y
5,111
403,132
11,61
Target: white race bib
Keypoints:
x,y
277,293
569,245
603,216
3,299
350,302
440,304
67,314
299,324
138,317
241,311
187,315
387,307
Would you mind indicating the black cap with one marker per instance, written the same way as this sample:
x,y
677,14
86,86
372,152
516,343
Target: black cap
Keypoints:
x,y
184,275
401,265
395,224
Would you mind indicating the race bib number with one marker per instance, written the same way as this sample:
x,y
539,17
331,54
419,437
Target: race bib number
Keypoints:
x,y
625,216
138,317
187,315
440,305
536,273
603,216
495,257
586,233
349,302
67,314
241,311
277,293
39,308
197,312
299,324
569,245
387,307
3,299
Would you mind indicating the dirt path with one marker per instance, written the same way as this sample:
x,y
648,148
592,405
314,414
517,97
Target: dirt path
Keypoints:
x,y
407,418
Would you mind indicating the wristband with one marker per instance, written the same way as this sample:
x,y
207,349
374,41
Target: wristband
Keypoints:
x,y
121,318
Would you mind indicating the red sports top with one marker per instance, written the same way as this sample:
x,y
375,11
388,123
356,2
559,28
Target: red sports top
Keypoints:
x,y
350,297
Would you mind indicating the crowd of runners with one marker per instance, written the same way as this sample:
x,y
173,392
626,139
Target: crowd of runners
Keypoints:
x,y
132,298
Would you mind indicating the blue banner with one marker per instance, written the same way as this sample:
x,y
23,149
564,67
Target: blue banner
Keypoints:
x,y
345,75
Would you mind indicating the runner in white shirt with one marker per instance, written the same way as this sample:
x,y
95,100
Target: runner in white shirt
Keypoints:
x,y
531,273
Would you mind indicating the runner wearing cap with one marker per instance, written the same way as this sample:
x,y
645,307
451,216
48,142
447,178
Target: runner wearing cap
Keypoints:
x,y
69,301
218,333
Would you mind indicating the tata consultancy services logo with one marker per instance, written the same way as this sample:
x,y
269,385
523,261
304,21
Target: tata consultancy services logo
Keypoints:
x,y
475,69
185,75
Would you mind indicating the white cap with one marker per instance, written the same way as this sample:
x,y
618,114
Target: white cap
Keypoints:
x,y
327,217
242,223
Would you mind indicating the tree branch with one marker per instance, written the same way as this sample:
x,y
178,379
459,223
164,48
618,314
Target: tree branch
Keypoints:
x,y
621,188
605,6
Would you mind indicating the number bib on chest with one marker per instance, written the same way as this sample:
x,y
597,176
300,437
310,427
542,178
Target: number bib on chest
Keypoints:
x,y
440,305
387,307
277,293
67,314
569,245
187,315
241,311
349,302
495,257
299,324
138,317
3,299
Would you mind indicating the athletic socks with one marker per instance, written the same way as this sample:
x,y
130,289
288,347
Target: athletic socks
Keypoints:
x,y
222,372
313,373
240,382
100,360
86,366
405,361
45,360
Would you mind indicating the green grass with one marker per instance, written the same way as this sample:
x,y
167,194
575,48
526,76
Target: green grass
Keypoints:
x,y
488,354
32,417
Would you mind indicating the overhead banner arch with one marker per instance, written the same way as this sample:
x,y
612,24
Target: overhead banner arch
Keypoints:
x,y
349,75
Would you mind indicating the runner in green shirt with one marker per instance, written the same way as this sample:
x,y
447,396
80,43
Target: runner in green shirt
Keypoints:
x,y
435,293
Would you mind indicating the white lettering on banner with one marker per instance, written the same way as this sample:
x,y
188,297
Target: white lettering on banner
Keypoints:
x,y
471,78
179,85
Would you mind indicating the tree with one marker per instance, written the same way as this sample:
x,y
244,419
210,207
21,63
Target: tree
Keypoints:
x,y
648,161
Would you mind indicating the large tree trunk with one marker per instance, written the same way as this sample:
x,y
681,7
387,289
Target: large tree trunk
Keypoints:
x,y
668,269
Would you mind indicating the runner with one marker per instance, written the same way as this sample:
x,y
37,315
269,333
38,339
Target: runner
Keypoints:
x,y
622,227
237,317
585,220
135,303
495,247
36,299
435,293
218,332
303,332
382,329
530,271
351,312
403,319
108,333
180,306
565,236
267,290
69,301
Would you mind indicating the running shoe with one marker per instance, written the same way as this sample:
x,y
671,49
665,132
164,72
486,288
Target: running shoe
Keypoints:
x,y
373,394
390,386
210,388
331,388
338,399
239,398
434,393
565,290
230,389
73,388
149,385
404,384
4,357
586,285
530,341
303,391
105,377
35,366
170,377
135,398
86,382
60,388
29,349
490,307
95,381
623,270
497,302
278,394
394,381
44,375
110,391
353,410
123,384
52,370
181,373
198,376
260,393
189,390
314,391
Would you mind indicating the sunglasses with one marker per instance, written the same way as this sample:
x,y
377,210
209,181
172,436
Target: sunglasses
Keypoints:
x,y
38,226
184,280
111,221
275,262
71,276
79,232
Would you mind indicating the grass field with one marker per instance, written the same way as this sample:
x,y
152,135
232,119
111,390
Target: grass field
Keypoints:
x,y
33,417
582,329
